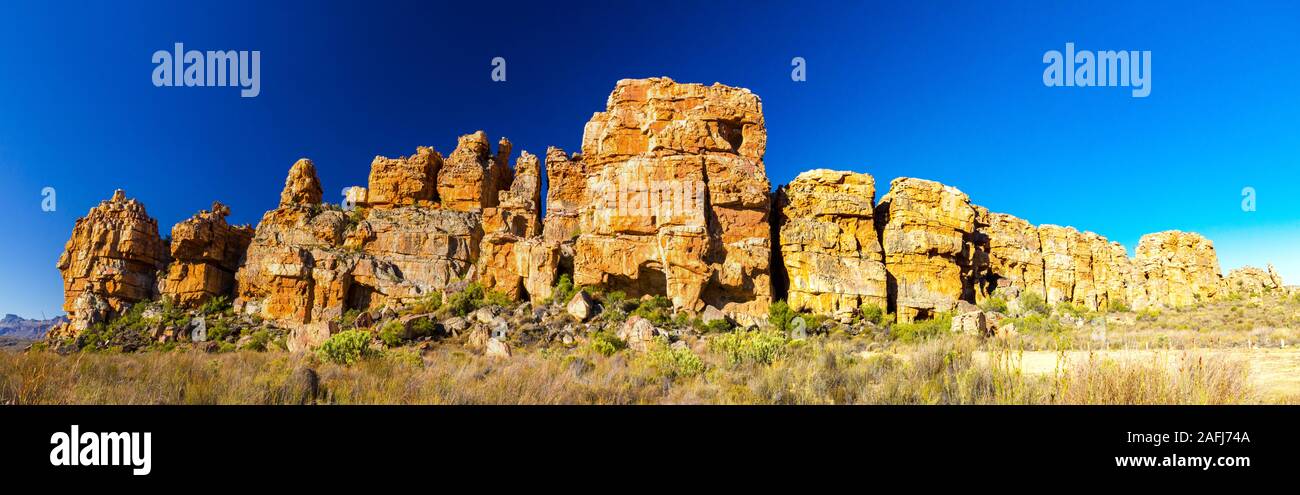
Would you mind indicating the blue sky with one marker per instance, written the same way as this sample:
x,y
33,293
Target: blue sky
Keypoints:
x,y
940,90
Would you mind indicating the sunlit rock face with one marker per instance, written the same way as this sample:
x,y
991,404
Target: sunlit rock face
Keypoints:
x,y
925,229
676,199
831,254
1180,268
110,262
205,252
1249,281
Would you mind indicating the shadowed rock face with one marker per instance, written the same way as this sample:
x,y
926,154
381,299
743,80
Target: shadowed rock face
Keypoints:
x,y
677,200
206,252
830,249
110,262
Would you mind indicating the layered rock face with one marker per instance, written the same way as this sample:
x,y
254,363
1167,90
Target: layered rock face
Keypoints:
x,y
307,264
514,259
404,181
1180,268
679,197
1015,255
470,177
925,230
205,251
110,262
829,246
1249,280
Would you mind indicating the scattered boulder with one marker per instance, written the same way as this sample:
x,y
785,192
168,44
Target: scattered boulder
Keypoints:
x,y
580,306
495,348
638,333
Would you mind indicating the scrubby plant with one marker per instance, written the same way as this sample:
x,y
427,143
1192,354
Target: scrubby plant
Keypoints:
x,y
657,309
215,306
872,313
919,330
995,303
1035,322
749,346
780,315
1069,308
1033,302
563,289
347,347
673,362
606,344
497,298
465,302
1117,306
429,303
392,334
720,325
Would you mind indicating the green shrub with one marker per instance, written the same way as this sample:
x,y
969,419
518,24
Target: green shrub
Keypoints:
x,y
606,344
1117,306
749,347
1037,323
780,315
429,303
465,302
872,313
393,334
216,305
995,304
1032,301
1148,315
720,325
917,331
258,340
423,327
1068,308
563,289
347,347
657,309
127,332
496,298
349,319
671,362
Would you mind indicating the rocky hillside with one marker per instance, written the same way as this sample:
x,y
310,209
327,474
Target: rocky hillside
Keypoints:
x,y
16,327
668,197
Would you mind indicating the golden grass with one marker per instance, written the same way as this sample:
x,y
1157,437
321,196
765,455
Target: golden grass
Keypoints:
x,y
821,370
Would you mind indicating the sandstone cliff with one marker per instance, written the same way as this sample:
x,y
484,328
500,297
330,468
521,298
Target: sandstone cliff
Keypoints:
x,y
205,253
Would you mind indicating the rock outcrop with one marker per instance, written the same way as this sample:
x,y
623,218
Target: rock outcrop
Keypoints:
x,y
404,181
1180,268
205,252
830,250
679,197
110,262
925,229
1015,256
307,264
514,258
1249,280
471,176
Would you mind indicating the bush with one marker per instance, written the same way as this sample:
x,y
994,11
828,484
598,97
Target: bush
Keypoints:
x,y
872,313
563,289
917,331
216,305
780,315
1033,302
749,347
606,344
127,332
657,309
1037,323
1117,306
393,334
1067,308
347,347
258,340
673,363
721,325
496,298
427,304
465,302
994,303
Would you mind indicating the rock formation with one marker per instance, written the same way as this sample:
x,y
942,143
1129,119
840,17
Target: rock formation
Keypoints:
x,y
925,227
404,181
1015,256
205,252
679,200
470,177
514,259
829,247
1249,280
1180,268
307,264
110,262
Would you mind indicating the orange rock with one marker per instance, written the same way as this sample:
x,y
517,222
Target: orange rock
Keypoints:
x,y
206,252
404,180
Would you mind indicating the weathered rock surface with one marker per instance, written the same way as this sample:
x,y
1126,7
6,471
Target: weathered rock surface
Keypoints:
x,y
514,257
925,227
1181,268
1015,255
307,264
830,250
110,262
404,181
470,177
205,252
1249,280
679,198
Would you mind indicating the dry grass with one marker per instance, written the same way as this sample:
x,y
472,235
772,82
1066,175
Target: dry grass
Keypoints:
x,y
821,370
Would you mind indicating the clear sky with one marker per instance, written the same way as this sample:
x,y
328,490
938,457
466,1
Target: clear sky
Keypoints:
x,y
940,90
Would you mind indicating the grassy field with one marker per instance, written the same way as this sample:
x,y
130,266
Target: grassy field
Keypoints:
x,y
1230,352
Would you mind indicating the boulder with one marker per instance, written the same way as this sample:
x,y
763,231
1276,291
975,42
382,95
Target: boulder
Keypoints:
x,y
580,306
495,348
638,333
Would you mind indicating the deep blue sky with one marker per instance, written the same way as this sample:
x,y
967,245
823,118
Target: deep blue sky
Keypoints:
x,y
946,91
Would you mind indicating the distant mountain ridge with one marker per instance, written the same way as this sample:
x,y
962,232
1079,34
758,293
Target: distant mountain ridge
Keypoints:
x,y
18,327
